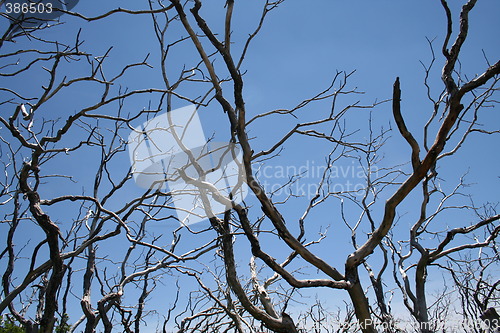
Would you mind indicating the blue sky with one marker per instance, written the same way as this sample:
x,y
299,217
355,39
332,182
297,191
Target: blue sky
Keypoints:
x,y
296,55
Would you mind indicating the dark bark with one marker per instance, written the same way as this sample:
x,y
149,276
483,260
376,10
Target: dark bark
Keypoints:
x,y
52,235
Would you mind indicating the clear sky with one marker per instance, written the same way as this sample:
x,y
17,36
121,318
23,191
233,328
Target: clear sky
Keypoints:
x,y
297,53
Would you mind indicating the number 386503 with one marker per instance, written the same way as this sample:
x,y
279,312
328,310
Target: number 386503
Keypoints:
x,y
25,8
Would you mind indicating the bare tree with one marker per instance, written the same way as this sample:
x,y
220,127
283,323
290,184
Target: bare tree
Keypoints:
x,y
87,238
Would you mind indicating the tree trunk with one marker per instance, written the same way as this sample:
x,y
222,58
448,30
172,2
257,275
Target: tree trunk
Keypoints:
x,y
361,306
